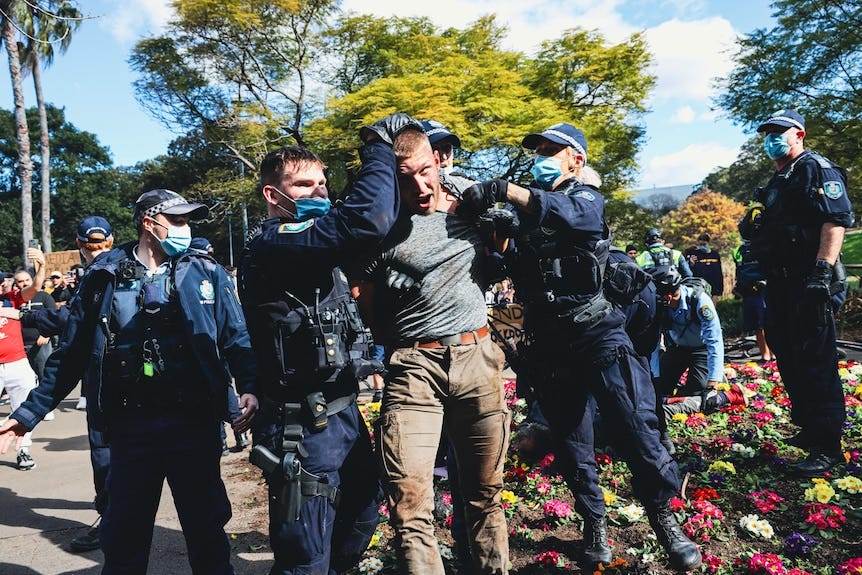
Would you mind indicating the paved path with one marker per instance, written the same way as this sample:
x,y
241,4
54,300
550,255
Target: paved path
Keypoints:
x,y
41,510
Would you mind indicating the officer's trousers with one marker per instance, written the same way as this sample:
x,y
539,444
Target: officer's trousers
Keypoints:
x,y
619,382
803,340
329,540
147,448
465,382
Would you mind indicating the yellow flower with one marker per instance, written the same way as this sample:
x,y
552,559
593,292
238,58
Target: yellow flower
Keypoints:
x,y
822,492
850,484
680,417
507,496
610,496
858,391
843,372
375,539
722,467
722,386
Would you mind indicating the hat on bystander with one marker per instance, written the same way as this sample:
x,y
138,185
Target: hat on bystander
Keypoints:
x,y
437,132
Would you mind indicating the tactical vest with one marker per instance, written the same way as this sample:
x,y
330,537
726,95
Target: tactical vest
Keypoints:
x,y
148,361
662,257
565,285
315,343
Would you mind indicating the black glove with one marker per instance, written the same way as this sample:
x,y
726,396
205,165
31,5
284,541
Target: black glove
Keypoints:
x,y
505,222
389,127
479,197
817,286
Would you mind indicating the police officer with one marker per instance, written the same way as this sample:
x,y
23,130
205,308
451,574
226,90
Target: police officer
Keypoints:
x,y
310,438
796,233
149,332
658,255
692,338
750,285
579,349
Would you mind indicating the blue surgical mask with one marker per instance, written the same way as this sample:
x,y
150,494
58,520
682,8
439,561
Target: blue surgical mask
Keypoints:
x,y
306,208
776,145
703,248
177,241
546,171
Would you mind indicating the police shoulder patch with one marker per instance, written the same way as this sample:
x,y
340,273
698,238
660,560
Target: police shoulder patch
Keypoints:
x,y
295,227
706,312
584,194
833,189
207,290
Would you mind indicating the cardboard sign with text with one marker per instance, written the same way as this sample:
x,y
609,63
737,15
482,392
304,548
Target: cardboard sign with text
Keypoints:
x,y
508,324
61,261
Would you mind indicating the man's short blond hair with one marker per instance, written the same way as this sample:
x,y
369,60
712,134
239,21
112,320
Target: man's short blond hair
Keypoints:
x,y
408,142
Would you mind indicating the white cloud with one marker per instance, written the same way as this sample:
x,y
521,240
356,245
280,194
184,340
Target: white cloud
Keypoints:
x,y
128,22
689,165
688,55
683,115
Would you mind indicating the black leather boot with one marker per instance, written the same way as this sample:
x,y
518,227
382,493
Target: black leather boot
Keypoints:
x,y
596,548
684,555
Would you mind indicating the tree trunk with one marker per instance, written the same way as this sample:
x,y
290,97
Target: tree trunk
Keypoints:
x,y
22,135
46,158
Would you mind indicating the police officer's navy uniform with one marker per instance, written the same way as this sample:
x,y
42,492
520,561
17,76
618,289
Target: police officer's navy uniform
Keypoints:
x,y
570,361
798,200
287,268
152,350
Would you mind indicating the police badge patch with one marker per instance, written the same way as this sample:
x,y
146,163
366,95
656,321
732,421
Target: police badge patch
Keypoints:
x,y
207,292
295,227
705,312
833,190
584,194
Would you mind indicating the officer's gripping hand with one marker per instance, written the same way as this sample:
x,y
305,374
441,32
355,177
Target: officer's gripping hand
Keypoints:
x,y
817,286
388,128
399,280
248,406
505,222
479,197
11,431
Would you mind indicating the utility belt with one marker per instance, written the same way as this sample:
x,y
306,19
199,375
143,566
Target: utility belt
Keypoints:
x,y
292,486
466,338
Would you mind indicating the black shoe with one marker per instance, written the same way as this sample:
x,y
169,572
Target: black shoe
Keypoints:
x,y
378,396
242,441
596,548
224,450
802,440
682,553
815,465
86,542
667,443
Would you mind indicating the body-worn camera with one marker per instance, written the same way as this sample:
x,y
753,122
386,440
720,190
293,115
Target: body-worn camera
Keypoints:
x,y
128,270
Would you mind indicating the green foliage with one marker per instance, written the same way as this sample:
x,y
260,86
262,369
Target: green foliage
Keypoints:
x,y
810,61
627,220
751,168
490,97
730,314
851,252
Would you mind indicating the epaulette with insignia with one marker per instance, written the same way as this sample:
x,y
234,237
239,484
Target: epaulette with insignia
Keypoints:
x,y
823,162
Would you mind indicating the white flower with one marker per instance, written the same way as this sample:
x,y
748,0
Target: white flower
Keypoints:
x,y
756,526
631,512
370,565
743,450
775,409
445,552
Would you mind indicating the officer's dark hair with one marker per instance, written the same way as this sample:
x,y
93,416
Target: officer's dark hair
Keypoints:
x,y
667,279
273,165
651,236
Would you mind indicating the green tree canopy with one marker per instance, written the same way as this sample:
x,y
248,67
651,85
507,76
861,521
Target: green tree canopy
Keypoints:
x,y
810,60
751,168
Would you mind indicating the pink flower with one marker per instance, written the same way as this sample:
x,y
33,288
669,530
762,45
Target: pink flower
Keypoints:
x,y
558,509
766,563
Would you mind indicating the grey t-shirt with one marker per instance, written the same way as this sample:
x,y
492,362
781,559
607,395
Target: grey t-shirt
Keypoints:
x,y
443,253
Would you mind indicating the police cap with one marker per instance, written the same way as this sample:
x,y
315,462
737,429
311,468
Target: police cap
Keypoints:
x,y
155,202
437,133
563,134
783,119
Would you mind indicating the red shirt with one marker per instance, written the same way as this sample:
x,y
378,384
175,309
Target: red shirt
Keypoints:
x,y
11,339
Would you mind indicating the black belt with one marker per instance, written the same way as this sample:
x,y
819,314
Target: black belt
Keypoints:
x,y
466,338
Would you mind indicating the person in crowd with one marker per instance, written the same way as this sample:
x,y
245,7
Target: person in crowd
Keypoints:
x,y
17,377
705,263
578,336
60,290
444,142
149,333
750,285
796,230
297,302
7,282
632,251
442,362
692,340
37,345
659,255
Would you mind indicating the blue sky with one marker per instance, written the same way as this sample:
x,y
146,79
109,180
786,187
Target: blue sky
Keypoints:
x,y
690,39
